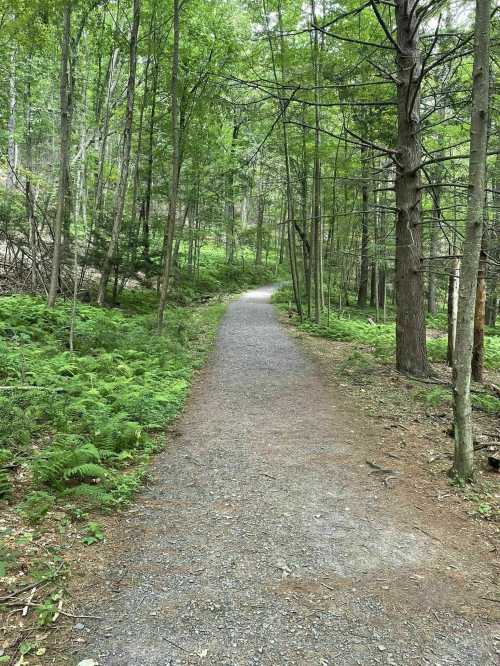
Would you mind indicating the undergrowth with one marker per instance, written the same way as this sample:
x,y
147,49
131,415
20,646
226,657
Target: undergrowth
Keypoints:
x,y
78,422
379,341
355,325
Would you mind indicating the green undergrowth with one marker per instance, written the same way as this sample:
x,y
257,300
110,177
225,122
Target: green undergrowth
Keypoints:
x,y
80,426
355,325
377,341
215,276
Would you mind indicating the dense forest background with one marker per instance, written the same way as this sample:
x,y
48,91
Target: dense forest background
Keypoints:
x,y
155,154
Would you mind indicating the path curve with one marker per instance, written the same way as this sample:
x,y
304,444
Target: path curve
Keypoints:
x,y
260,542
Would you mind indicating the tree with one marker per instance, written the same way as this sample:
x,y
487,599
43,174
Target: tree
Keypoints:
x,y
174,174
63,195
121,193
463,465
411,345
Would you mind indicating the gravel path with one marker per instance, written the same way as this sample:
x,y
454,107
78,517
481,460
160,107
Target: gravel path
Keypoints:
x,y
262,541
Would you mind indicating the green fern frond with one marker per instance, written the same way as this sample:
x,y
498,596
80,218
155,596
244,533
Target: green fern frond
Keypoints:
x,y
86,471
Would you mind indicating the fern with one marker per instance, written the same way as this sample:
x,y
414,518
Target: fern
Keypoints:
x,y
5,484
91,495
86,471
93,410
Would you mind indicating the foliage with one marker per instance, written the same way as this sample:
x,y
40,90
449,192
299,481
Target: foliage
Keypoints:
x,y
434,397
380,338
93,534
357,364
36,505
82,422
352,325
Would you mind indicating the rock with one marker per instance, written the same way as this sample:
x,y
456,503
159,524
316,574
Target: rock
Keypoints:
x,y
79,626
88,662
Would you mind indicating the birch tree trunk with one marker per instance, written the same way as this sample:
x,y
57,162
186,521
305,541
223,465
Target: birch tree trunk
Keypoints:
x,y
65,136
28,189
463,466
11,125
109,259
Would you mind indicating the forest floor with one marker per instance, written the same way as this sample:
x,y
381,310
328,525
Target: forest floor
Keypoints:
x,y
288,522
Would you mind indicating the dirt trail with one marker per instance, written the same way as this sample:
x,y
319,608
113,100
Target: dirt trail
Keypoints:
x,y
264,538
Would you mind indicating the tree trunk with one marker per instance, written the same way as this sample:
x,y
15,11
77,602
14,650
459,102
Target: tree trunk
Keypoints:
x,y
492,300
146,206
317,227
174,180
433,245
259,230
364,265
230,209
306,248
411,350
11,125
110,258
63,194
28,189
453,282
479,319
463,466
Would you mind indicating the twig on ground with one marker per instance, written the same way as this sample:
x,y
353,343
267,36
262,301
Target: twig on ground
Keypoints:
x,y
431,536
179,647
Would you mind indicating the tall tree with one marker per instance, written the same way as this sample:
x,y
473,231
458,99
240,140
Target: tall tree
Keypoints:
x,y
174,173
411,346
463,465
121,193
63,195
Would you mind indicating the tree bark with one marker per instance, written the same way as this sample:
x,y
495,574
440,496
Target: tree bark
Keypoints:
x,y
434,242
28,189
479,319
411,350
146,205
453,283
463,466
317,227
259,230
230,208
11,125
174,180
492,300
63,206
110,258
364,264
